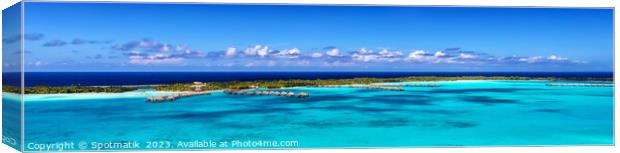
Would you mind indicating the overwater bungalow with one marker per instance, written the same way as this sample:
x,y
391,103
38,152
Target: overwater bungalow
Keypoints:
x,y
265,93
302,95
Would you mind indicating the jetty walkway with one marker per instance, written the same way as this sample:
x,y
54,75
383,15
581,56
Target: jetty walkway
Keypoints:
x,y
176,96
581,84
267,93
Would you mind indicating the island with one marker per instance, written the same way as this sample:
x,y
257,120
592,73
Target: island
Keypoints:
x,y
278,84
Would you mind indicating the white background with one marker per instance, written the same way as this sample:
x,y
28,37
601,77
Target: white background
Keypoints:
x,y
511,3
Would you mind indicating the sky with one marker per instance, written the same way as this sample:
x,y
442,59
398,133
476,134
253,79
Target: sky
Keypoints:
x,y
218,37
11,28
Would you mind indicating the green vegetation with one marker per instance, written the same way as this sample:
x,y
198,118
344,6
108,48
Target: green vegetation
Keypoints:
x,y
67,89
271,84
175,87
10,89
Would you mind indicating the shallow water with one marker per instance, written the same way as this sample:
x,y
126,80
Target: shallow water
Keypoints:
x,y
11,120
461,113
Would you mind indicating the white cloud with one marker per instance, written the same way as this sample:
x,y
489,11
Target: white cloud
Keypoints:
x,y
387,53
421,56
263,51
467,56
440,54
294,51
384,55
364,51
294,56
417,54
390,56
181,48
449,57
230,52
364,55
147,51
259,50
556,58
143,45
154,59
317,55
532,59
333,52
541,59
251,51
36,63
165,48
291,53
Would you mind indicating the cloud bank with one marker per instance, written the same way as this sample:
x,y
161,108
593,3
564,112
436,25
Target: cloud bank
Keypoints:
x,y
27,37
147,51
150,52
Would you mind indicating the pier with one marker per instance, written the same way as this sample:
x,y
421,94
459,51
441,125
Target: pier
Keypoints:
x,y
267,93
176,96
581,84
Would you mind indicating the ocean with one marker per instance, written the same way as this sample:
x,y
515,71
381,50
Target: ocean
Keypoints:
x,y
150,78
458,113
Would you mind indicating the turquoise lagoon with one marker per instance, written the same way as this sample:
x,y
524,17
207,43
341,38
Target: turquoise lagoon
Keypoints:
x,y
11,121
459,113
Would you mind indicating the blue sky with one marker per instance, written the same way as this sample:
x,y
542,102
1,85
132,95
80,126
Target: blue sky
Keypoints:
x,y
11,45
202,37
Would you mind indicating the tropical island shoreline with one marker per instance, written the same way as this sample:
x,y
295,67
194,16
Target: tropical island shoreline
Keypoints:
x,y
275,84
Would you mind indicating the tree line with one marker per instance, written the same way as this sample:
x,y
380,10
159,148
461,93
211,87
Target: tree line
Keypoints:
x,y
272,84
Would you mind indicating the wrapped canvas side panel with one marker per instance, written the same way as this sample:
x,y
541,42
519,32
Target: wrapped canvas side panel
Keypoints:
x,y
12,87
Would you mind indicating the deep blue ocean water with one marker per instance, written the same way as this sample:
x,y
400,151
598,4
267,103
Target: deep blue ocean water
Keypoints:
x,y
149,78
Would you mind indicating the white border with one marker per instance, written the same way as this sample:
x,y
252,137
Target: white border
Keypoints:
x,y
502,3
